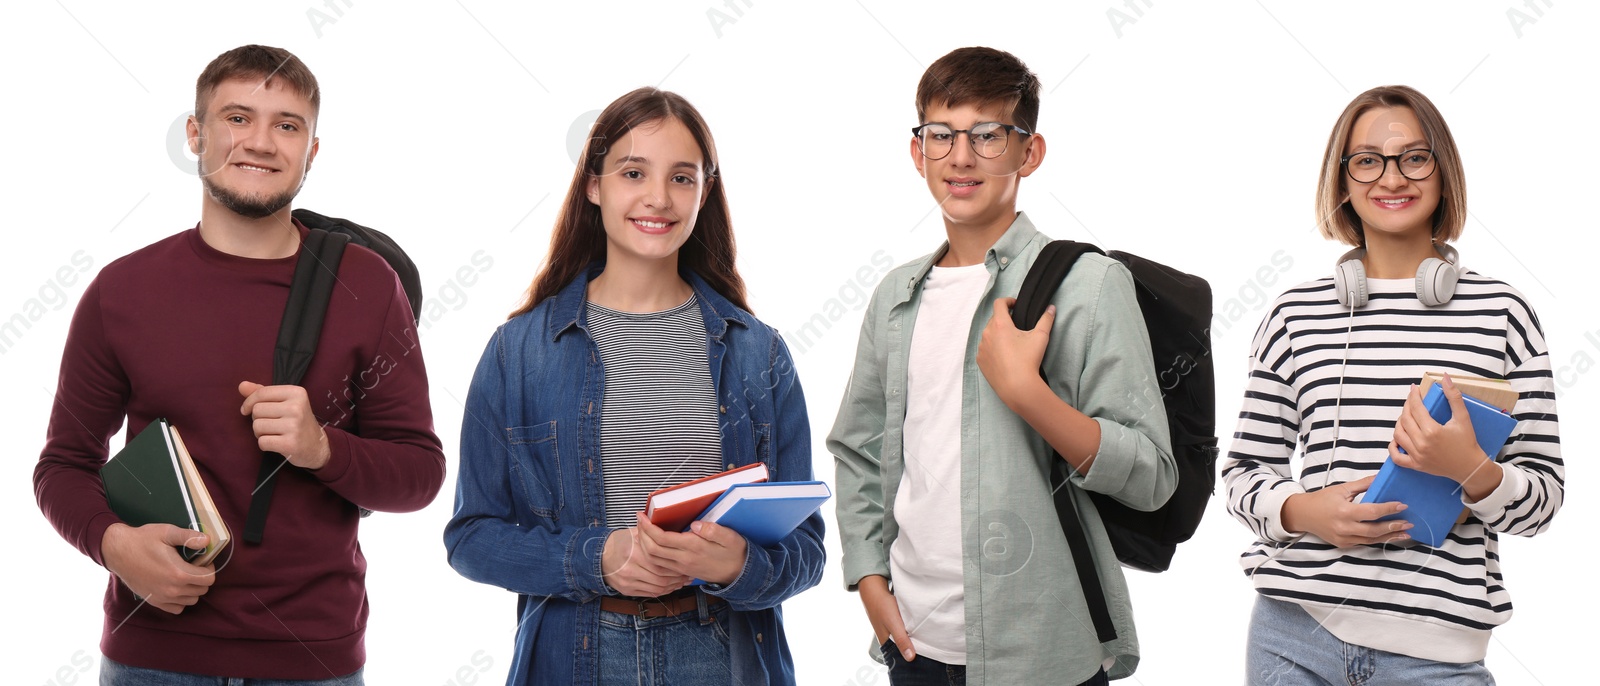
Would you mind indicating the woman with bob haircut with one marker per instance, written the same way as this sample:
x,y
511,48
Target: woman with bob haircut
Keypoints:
x,y
634,364
1344,597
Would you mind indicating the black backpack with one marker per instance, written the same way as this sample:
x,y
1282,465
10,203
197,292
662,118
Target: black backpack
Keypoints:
x,y
378,242
315,273
1177,312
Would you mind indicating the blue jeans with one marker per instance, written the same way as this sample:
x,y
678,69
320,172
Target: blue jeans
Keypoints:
x,y
686,650
926,671
1287,647
114,673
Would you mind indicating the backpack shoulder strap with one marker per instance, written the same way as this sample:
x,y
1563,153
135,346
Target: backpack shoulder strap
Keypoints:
x,y
315,275
1038,289
1044,277
378,242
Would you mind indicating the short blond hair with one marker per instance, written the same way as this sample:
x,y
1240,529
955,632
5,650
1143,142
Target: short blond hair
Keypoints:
x,y
1337,219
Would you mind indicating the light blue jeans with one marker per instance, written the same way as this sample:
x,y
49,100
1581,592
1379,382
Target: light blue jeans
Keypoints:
x,y
690,649
1287,647
114,673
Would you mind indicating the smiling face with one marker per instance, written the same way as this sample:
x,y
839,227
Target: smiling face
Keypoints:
x,y
974,191
1393,204
255,145
650,189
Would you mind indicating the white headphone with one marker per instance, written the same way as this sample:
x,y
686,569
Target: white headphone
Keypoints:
x,y
1436,284
1436,278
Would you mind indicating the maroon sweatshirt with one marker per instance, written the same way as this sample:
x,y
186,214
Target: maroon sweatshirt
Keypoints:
x,y
170,331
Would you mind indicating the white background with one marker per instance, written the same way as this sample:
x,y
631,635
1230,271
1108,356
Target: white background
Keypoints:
x,y
1189,134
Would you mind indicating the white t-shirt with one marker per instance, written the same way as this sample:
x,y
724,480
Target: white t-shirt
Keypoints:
x,y
925,559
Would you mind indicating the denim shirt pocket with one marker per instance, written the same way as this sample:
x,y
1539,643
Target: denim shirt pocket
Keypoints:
x,y
536,467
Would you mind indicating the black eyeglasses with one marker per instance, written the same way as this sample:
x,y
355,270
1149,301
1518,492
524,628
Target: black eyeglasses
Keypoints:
x,y
988,139
1366,167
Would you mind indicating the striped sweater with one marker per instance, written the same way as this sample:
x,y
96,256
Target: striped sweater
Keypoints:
x,y
1432,603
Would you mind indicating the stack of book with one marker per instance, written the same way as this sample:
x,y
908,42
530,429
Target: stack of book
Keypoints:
x,y
153,479
740,499
1433,503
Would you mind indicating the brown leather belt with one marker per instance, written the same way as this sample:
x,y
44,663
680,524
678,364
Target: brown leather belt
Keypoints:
x,y
670,605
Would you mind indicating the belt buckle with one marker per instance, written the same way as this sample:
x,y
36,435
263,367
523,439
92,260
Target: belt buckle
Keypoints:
x,y
644,608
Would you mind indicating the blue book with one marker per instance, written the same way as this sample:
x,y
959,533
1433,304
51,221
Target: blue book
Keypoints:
x,y
766,512
1433,503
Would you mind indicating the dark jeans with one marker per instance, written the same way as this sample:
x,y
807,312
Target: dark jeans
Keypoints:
x,y
926,671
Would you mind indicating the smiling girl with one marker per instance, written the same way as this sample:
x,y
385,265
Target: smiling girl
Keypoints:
x,y
633,365
1344,598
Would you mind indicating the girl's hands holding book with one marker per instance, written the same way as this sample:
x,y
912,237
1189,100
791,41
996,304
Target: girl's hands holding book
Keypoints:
x,y
1332,515
631,571
1449,450
708,552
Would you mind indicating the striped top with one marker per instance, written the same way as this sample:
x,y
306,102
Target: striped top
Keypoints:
x,y
658,418
1433,603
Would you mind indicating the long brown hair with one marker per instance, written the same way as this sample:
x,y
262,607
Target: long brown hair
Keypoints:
x,y
579,237
1338,220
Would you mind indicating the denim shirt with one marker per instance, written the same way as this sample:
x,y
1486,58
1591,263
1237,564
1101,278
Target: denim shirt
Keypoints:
x,y
530,501
1026,618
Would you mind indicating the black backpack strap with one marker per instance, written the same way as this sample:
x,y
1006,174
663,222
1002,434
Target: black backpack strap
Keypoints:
x,y
315,275
1082,557
1044,277
1038,289
378,242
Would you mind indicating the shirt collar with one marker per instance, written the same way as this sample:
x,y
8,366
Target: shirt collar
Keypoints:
x,y
1000,256
567,306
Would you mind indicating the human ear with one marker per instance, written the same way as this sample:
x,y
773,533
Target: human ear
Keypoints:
x,y
917,159
1034,155
316,144
705,189
191,130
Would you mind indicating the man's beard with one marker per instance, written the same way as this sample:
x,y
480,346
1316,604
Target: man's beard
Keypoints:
x,y
253,207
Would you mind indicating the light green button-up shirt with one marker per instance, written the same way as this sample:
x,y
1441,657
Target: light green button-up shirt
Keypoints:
x,y
1026,618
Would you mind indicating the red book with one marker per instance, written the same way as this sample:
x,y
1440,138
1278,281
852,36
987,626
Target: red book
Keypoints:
x,y
672,508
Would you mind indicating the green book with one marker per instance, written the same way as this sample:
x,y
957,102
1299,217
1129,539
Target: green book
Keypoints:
x,y
153,480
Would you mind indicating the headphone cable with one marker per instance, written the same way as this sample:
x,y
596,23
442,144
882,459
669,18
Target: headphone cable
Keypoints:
x,y
1333,451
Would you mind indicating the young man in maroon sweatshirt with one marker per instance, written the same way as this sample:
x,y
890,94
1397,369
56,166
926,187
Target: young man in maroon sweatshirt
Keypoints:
x,y
184,329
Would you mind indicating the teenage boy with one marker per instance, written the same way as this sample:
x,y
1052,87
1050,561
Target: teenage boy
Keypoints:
x,y
184,329
943,440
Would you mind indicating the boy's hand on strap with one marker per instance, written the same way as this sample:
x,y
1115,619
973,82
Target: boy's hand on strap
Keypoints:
x,y
1009,357
1009,360
284,424
1332,515
883,611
